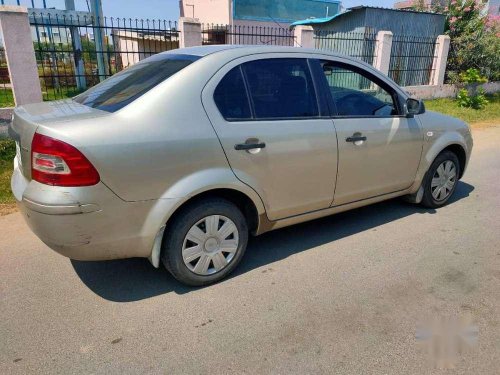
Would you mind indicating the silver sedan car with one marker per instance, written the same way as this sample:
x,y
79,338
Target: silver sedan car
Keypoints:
x,y
181,156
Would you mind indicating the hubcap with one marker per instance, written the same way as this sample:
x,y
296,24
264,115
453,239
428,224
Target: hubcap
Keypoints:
x,y
444,180
210,245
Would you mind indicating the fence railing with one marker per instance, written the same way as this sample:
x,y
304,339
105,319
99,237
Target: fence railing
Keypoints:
x,y
74,53
358,45
244,34
412,60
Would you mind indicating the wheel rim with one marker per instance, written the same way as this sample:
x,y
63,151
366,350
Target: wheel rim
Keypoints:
x,y
210,245
444,180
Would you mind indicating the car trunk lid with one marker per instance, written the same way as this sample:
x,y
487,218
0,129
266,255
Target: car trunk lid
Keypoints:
x,y
27,118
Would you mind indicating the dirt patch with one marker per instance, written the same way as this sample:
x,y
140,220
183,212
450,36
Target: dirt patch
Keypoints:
x,y
7,208
485,124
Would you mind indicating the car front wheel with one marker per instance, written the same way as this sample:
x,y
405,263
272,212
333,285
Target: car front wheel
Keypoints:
x,y
441,180
205,242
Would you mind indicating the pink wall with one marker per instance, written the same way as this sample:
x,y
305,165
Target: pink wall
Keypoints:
x,y
207,11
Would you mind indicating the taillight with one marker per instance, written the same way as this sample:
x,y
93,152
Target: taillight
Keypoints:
x,y
55,162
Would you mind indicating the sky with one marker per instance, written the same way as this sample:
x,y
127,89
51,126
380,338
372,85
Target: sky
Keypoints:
x,y
158,9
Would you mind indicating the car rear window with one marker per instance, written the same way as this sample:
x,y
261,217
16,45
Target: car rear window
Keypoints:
x,y
122,88
231,97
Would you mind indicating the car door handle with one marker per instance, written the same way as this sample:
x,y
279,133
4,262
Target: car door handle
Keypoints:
x,y
356,138
249,146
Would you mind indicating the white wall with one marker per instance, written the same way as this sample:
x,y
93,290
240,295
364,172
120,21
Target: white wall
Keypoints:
x,y
445,91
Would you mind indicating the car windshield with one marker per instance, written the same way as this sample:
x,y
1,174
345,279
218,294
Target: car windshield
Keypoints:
x,y
124,87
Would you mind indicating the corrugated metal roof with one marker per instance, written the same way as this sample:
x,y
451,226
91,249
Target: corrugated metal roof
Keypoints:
x,y
315,21
393,9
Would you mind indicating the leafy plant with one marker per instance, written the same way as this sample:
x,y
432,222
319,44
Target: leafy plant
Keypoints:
x,y
472,96
474,38
477,101
471,76
7,150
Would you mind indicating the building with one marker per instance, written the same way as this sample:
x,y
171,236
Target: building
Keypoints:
x,y
354,33
491,7
426,4
276,13
365,19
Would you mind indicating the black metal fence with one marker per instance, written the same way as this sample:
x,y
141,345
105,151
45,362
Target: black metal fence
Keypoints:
x,y
244,34
74,53
412,59
358,45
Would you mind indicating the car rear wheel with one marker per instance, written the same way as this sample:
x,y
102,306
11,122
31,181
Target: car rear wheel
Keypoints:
x,y
205,242
441,180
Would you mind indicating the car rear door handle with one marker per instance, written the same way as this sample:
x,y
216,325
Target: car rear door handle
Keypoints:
x,y
249,146
356,138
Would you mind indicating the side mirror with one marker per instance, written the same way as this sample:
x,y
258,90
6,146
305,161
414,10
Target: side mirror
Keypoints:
x,y
414,107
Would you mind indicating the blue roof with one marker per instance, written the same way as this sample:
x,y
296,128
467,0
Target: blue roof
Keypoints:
x,y
313,21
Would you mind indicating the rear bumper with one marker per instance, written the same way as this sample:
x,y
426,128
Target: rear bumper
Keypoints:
x,y
89,223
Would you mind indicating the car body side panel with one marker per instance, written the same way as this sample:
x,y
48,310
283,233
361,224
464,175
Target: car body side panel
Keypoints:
x,y
386,162
440,131
296,171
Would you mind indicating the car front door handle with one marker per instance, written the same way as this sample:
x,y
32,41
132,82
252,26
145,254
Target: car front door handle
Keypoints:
x,y
356,138
249,146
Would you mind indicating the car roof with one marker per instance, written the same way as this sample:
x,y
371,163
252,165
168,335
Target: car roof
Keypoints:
x,y
247,49
232,51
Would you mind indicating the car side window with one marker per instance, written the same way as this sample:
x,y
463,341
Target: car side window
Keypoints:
x,y
231,98
354,94
281,88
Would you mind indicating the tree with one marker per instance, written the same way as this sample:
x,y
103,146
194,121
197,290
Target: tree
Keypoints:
x,y
474,39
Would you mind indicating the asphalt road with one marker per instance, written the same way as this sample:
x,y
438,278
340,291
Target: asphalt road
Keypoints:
x,y
337,295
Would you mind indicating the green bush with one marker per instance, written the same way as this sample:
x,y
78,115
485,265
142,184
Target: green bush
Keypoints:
x,y
472,96
477,101
7,150
472,75
474,38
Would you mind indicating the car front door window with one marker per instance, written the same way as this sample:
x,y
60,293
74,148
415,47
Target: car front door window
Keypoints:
x,y
355,95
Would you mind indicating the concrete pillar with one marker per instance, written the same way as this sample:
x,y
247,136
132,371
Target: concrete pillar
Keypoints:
x,y
383,47
440,58
304,36
20,54
98,23
190,32
81,82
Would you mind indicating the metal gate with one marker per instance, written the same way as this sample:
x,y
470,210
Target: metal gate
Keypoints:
x,y
78,51
412,59
249,35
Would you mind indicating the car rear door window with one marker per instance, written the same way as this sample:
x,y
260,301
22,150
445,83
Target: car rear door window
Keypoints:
x,y
355,94
122,88
281,88
231,98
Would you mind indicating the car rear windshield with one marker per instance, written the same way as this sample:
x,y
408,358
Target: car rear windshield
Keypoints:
x,y
124,87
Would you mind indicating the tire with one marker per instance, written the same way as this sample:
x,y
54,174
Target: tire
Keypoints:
x,y
193,249
429,198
